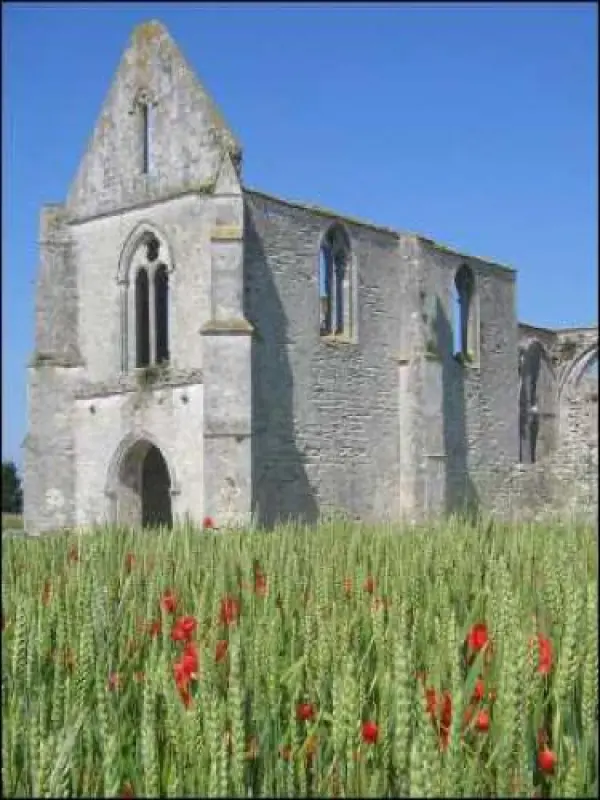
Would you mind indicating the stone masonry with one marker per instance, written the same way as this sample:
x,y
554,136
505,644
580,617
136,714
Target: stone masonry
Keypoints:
x,y
204,349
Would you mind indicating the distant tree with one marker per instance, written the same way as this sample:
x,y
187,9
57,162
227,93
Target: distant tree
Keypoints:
x,y
12,492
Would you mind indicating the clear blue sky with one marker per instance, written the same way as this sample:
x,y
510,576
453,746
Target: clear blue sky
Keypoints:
x,y
476,126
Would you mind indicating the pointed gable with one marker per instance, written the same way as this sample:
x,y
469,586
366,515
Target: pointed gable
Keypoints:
x,y
159,133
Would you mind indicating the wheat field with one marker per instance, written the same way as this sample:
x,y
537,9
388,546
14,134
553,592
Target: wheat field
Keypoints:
x,y
343,660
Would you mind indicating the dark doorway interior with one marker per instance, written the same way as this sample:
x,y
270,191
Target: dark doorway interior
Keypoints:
x,y
156,491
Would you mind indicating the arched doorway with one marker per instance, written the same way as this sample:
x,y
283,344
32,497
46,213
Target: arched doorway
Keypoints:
x,y
156,490
143,490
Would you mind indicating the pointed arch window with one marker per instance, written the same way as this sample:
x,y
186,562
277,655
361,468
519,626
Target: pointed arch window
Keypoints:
x,y
142,318
465,315
335,282
145,310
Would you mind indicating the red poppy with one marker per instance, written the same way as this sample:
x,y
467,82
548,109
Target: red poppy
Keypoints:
x,y
221,650
369,585
446,712
544,647
370,732
230,609
189,660
431,701
305,712
478,691
129,562
154,628
477,638
546,760
208,523
169,602
183,629
482,723
180,674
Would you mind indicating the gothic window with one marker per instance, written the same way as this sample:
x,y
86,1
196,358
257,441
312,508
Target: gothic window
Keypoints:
x,y
464,313
335,262
142,319
143,275
161,303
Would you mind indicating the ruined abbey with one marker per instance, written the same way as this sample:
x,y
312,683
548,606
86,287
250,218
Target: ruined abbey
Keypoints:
x,y
203,348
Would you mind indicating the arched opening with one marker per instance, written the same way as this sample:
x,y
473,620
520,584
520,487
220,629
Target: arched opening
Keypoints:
x,y
143,488
156,491
161,307
334,282
462,296
142,319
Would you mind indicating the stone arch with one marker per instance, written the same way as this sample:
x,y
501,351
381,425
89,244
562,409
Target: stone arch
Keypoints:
x,y
141,483
574,371
139,236
336,274
537,402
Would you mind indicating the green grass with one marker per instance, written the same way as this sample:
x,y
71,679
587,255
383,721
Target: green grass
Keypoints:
x,y
12,521
346,620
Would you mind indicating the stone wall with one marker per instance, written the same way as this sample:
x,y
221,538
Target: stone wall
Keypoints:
x,y
325,409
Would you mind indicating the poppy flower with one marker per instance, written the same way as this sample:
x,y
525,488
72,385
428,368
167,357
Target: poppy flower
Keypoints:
x,y
230,609
180,674
154,628
183,629
221,650
482,723
370,732
189,660
369,585
544,648
431,701
477,638
169,602
478,691
446,712
305,712
546,760
129,562
208,523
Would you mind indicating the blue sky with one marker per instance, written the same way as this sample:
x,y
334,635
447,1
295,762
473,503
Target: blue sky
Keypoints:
x,y
476,126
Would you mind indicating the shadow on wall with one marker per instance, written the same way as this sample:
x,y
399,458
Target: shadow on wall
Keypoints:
x,y
460,493
280,488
